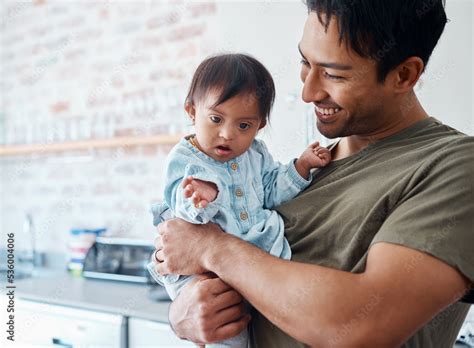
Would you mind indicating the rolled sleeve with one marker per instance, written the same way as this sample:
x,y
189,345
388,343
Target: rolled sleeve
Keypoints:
x,y
300,182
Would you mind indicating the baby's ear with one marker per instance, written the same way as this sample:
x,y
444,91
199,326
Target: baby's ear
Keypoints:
x,y
190,110
263,123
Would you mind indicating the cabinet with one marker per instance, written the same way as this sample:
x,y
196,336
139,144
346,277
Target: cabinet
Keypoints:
x,y
145,333
40,324
46,325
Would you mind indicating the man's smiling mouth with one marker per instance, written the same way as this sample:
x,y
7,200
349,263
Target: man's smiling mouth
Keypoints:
x,y
327,111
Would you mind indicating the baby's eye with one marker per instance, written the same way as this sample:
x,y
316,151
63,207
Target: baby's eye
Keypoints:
x,y
244,126
215,119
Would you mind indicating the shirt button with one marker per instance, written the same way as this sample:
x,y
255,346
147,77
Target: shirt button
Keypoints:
x,y
234,166
239,193
243,215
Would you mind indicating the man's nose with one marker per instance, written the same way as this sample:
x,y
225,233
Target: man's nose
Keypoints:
x,y
313,89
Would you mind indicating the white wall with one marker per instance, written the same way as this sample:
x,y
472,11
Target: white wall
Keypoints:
x,y
270,31
446,88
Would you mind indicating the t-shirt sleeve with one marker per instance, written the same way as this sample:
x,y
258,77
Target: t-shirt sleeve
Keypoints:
x,y
435,213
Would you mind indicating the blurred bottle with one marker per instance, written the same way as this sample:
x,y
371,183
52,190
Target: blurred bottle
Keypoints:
x,y
80,241
27,250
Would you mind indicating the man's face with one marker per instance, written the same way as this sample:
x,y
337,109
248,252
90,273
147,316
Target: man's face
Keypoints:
x,y
342,85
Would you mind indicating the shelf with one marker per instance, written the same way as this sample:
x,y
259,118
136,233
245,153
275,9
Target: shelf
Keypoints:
x,y
24,149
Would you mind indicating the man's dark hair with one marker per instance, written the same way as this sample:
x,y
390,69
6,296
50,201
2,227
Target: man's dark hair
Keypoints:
x,y
388,31
231,75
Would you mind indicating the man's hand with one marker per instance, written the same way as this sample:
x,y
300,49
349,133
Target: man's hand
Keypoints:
x,y
200,192
314,156
181,246
208,310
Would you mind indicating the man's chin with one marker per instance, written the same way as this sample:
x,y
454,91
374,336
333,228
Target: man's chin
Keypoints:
x,y
329,132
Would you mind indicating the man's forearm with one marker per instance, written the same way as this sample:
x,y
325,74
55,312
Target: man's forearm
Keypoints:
x,y
309,302
322,306
317,305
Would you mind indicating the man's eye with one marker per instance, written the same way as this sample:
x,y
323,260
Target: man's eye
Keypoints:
x,y
332,77
304,62
215,119
244,126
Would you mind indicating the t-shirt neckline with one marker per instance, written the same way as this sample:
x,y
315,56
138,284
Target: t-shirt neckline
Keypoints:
x,y
405,133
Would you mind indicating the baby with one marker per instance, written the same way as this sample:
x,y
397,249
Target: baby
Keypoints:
x,y
222,174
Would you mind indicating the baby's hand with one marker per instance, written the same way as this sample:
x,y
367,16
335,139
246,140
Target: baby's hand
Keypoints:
x,y
314,156
199,191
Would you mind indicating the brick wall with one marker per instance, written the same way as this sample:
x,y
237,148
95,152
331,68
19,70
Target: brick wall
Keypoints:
x,y
88,70
74,70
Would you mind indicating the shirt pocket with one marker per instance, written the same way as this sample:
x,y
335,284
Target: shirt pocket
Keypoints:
x,y
258,188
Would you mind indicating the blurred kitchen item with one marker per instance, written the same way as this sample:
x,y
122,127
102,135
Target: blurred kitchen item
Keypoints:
x,y
81,240
466,333
118,259
158,293
27,256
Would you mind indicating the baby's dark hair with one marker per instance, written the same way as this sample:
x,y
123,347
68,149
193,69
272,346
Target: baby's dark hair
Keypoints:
x,y
231,75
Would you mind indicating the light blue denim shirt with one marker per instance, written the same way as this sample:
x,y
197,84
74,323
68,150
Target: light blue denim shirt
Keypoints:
x,y
249,186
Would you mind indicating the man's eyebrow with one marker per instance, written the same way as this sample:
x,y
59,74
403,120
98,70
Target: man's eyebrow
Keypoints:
x,y
336,66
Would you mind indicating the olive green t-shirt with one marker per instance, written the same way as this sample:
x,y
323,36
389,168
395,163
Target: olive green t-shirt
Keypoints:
x,y
415,189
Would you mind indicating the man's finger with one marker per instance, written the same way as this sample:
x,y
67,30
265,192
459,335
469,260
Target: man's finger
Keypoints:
x,y
159,229
229,315
158,243
159,256
232,329
162,268
227,299
216,286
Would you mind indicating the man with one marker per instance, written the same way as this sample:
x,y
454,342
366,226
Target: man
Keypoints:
x,y
382,240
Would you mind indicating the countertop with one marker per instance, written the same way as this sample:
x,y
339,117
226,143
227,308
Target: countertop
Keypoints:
x,y
60,288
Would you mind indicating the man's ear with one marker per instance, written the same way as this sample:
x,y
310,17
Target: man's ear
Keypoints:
x,y
405,76
190,110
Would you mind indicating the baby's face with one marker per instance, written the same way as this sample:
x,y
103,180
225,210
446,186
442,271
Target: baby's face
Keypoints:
x,y
227,130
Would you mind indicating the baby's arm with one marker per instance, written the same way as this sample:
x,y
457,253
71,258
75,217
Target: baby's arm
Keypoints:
x,y
314,156
283,182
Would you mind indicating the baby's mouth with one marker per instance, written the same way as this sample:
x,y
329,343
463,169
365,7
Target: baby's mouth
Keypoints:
x,y
223,150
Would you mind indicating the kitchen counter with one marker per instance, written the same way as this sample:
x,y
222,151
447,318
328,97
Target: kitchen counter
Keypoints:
x,y
60,288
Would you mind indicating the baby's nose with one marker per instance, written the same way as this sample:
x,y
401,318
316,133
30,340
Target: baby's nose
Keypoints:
x,y
226,133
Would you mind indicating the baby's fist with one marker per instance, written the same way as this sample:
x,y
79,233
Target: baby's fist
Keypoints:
x,y
316,156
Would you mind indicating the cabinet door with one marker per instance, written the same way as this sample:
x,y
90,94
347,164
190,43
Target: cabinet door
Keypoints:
x,y
48,325
145,333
